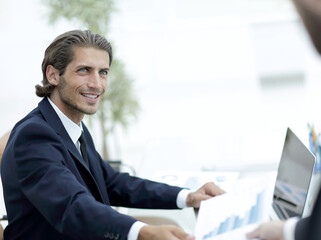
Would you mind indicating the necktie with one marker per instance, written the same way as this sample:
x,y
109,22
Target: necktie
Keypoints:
x,y
83,149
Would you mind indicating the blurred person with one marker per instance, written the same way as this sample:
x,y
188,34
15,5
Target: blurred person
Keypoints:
x,y
308,228
56,189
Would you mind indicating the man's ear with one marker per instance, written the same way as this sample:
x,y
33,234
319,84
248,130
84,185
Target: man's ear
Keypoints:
x,y
52,75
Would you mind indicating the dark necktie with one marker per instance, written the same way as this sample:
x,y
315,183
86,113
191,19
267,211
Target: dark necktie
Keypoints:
x,y
83,149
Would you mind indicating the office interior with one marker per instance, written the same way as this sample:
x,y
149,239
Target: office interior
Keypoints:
x,y
218,82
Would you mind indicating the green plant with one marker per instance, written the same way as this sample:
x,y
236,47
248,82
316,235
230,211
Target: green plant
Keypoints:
x,y
119,104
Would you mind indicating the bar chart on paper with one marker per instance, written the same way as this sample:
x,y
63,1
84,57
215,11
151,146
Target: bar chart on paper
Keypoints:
x,y
233,222
230,213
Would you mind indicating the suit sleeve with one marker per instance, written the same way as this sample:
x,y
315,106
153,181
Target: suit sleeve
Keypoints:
x,y
301,228
54,191
128,191
310,227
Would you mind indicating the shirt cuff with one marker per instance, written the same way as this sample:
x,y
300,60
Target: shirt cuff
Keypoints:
x,y
134,230
289,228
181,198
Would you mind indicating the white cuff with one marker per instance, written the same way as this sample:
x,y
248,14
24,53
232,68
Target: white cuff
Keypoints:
x,y
289,228
181,198
134,230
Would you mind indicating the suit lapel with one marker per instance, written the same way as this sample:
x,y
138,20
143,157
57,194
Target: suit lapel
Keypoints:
x,y
53,120
94,164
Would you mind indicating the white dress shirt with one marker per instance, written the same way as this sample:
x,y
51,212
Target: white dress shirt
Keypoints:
x,y
289,228
74,132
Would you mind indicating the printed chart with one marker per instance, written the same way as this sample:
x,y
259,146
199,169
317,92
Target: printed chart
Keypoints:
x,y
233,213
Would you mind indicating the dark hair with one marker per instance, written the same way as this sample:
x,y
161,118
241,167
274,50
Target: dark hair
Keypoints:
x,y
59,54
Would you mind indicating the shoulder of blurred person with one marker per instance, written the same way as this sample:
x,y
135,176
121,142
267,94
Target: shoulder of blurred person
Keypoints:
x,y
310,12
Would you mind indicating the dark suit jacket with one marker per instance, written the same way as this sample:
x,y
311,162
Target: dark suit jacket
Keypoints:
x,y
310,12
310,228
50,193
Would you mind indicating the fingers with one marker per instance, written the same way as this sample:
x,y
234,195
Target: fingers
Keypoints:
x,y
254,234
207,191
163,232
268,231
196,198
212,189
180,234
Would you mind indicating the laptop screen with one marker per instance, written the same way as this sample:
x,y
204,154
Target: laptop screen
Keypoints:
x,y
293,179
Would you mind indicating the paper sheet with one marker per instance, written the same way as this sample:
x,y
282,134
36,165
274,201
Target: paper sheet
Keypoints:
x,y
231,215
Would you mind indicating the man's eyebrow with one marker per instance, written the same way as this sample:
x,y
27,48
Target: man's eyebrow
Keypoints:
x,y
82,66
90,67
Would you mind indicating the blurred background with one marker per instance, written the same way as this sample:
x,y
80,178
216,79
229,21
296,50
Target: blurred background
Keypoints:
x,y
217,82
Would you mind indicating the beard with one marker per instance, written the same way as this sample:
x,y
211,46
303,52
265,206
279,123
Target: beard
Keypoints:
x,y
73,106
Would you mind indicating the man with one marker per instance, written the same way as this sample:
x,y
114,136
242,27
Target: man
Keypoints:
x,y
307,228
56,186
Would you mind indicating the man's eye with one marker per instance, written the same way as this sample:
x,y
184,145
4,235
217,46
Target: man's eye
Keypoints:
x,y
82,70
103,72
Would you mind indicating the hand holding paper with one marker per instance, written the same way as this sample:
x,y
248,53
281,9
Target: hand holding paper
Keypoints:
x,y
206,192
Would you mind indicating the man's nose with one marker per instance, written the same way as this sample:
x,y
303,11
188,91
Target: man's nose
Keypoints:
x,y
95,80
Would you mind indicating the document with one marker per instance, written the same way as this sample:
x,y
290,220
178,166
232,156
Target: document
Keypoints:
x,y
231,215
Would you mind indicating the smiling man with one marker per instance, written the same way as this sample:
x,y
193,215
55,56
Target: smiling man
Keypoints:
x,y
56,186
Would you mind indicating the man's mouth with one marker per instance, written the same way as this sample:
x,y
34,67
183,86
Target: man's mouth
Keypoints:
x,y
91,96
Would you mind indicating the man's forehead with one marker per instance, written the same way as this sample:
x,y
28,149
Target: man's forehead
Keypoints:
x,y
90,54
76,49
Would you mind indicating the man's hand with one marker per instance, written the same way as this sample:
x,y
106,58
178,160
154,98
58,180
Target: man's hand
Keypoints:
x,y
268,231
207,191
1,232
164,232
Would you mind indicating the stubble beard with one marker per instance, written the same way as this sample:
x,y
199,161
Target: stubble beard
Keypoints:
x,y
69,103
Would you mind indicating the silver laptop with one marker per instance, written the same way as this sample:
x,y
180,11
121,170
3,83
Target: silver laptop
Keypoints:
x,y
293,179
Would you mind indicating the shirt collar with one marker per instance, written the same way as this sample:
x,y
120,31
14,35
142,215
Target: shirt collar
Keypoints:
x,y
73,130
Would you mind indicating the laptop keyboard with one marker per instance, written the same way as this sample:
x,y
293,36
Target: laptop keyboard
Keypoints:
x,y
290,212
278,211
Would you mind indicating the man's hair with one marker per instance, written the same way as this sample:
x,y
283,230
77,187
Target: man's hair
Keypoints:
x,y
59,54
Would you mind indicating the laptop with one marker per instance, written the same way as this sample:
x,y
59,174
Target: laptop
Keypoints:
x,y
291,197
291,190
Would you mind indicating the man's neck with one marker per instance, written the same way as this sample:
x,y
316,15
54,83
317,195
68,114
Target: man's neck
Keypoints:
x,y
76,118
73,129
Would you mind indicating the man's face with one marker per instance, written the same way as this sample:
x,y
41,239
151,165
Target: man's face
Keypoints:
x,y
83,83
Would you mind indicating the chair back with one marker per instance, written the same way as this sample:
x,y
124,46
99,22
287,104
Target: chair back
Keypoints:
x,y
3,143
